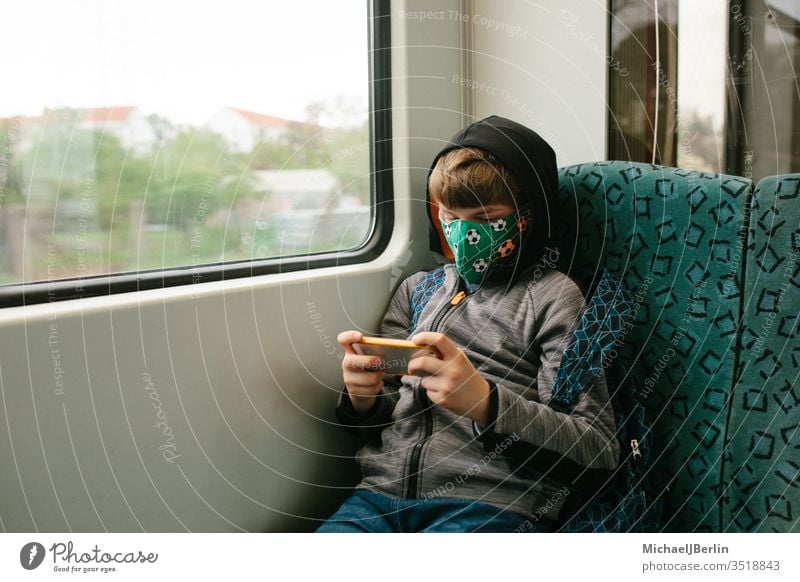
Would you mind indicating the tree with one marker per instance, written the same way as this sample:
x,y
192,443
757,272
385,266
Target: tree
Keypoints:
x,y
10,177
193,176
341,145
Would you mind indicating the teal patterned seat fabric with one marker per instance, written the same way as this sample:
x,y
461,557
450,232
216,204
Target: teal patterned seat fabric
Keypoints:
x,y
761,466
674,237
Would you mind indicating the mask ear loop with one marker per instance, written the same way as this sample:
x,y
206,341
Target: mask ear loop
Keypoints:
x,y
522,213
433,209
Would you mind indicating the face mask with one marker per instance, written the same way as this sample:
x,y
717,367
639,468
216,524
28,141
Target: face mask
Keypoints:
x,y
478,246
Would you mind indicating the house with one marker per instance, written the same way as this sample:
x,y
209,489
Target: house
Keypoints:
x,y
289,190
127,123
301,210
243,130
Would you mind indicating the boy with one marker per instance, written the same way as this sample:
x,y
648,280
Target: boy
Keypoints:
x,y
472,445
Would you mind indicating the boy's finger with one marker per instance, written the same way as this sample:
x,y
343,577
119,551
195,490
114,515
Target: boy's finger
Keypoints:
x,y
357,362
368,381
432,384
346,339
427,364
441,342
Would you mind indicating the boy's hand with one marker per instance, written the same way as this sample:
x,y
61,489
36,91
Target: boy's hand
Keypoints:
x,y
362,385
454,383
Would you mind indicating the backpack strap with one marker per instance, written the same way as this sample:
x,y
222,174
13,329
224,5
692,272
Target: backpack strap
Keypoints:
x,y
422,293
601,326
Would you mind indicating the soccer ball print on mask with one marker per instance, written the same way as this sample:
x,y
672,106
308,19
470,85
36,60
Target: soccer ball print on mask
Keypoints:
x,y
478,246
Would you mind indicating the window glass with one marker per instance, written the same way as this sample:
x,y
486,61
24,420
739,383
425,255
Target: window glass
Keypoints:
x,y
642,96
763,132
138,135
721,94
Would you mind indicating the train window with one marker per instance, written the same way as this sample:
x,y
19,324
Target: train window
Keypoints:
x,y
734,109
763,133
636,89
147,144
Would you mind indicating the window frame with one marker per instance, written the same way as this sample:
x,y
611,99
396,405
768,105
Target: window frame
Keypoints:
x,y
381,187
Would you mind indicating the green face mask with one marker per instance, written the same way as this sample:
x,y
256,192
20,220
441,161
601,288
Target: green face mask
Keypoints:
x,y
478,246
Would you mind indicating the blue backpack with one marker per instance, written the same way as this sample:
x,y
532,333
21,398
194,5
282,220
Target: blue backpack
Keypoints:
x,y
625,502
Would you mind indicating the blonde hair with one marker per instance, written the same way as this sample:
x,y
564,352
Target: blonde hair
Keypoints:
x,y
470,177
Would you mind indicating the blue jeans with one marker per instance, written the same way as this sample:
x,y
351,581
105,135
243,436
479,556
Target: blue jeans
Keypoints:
x,y
368,511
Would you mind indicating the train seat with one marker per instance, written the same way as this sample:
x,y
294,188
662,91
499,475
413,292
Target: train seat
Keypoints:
x,y
712,263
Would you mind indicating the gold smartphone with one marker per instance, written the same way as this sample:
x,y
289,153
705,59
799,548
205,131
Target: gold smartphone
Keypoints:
x,y
394,353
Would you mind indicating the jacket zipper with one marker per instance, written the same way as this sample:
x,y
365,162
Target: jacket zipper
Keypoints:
x,y
413,476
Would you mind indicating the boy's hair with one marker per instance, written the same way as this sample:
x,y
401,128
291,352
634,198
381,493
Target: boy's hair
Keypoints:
x,y
470,177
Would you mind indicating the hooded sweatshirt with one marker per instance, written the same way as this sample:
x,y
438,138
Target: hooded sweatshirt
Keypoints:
x,y
513,328
532,162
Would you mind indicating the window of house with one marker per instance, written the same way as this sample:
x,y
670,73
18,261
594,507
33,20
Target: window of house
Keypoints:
x,y
139,136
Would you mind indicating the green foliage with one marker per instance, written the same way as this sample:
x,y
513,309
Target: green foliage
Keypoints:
x,y
192,177
10,179
189,185
344,152
349,160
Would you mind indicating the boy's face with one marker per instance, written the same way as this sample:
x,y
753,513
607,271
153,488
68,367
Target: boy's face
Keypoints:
x,y
475,213
482,236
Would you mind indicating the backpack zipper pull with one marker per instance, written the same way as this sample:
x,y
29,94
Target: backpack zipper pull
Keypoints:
x,y
458,298
635,449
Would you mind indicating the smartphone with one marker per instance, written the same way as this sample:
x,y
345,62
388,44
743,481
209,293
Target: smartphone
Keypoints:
x,y
395,354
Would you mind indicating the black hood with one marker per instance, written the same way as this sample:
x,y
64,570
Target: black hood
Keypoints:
x,y
532,162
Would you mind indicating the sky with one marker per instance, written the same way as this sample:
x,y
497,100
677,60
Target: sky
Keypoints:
x,y
188,59
184,60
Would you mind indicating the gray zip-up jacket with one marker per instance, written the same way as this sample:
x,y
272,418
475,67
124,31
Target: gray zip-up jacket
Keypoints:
x,y
530,455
